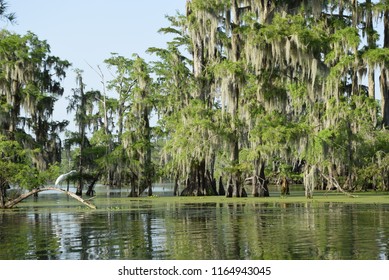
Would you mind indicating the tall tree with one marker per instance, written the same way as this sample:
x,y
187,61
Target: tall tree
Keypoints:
x,y
121,86
186,107
137,140
83,103
30,83
302,62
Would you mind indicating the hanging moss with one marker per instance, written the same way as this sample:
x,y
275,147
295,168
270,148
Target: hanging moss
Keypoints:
x,y
282,74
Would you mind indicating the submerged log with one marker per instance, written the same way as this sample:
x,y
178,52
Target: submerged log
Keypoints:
x,y
22,197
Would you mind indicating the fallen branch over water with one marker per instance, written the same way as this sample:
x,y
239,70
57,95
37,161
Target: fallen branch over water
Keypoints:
x,y
22,197
337,185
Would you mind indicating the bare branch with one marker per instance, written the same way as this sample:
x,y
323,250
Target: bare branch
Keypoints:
x,y
22,197
336,184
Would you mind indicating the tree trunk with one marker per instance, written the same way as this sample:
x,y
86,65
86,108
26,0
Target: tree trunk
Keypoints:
x,y
310,180
235,92
80,184
148,166
230,189
134,188
255,185
264,189
2,197
91,191
384,78
221,190
371,44
260,184
81,130
176,185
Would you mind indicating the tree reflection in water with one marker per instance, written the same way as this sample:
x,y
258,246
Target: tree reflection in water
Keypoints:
x,y
199,231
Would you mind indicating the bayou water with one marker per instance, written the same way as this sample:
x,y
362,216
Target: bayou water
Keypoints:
x,y
56,227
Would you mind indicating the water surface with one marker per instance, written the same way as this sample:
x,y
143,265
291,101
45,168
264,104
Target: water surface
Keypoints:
x,y
54,227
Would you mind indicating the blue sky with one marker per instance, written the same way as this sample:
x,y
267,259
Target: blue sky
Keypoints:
x,y
87,32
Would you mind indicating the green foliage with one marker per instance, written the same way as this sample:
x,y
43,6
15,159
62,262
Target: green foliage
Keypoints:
x,y
30,85
238,86
345,38
210,5
16,169
229,68
378,56
186,142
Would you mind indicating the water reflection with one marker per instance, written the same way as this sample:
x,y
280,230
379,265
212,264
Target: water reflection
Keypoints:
x,y
199,231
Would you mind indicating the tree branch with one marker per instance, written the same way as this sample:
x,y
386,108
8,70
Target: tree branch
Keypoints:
x,y
22,197
335,182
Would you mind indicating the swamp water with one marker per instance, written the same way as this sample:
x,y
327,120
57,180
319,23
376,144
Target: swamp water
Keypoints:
x,y
56,227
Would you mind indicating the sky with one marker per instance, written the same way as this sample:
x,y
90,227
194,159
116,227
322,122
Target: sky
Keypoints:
x,y
86,32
